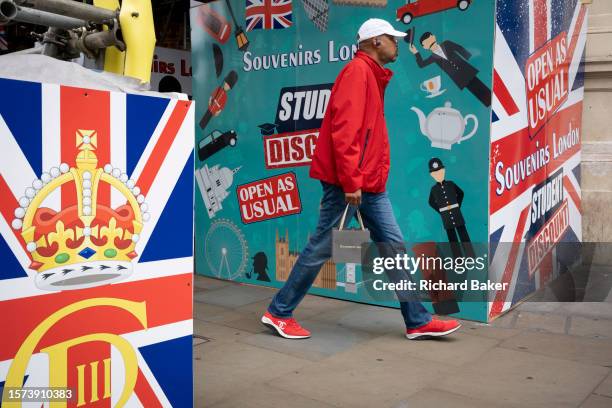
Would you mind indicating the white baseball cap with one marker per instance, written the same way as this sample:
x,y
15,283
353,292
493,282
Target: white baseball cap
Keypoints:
x,y
374,27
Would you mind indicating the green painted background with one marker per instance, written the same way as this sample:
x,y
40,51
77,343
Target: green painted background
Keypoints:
x,y
254,101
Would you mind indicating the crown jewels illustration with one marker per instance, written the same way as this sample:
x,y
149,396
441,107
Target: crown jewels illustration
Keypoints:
x,y
87,243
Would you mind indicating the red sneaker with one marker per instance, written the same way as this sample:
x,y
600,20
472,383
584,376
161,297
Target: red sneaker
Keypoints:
x,y
287,328
435,328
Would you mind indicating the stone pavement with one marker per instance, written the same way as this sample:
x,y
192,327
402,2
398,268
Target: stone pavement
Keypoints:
x,y
538,355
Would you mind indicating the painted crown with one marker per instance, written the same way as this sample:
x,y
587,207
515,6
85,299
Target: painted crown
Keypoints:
x,y
86,243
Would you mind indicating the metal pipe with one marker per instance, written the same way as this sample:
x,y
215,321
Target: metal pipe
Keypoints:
x,y
35,50
28,15
73,9
8,11
92,43
50,46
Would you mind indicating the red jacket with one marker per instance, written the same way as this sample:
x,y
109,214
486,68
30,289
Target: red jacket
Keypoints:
x,y
352,150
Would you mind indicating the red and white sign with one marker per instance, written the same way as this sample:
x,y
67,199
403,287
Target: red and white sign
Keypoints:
x,y
273,197
172,63
547,238
290,149
518,163
547,81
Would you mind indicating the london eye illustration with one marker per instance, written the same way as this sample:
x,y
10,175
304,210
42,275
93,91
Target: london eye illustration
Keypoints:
x,y
226,250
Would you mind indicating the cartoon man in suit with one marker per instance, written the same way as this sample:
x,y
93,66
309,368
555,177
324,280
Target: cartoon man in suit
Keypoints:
x,y
452,59
446,198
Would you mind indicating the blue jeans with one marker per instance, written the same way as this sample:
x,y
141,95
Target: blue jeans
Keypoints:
x,y
378,218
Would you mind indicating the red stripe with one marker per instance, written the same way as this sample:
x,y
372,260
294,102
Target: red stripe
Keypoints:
x,y
503,95
8,204
573,193
145,393
576,33
21,316
84,109
268,14
253,23
500,296
85,354
516,147
546,269
540,23
149,172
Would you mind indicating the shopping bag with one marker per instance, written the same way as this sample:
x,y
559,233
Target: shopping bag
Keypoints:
x,y
346,243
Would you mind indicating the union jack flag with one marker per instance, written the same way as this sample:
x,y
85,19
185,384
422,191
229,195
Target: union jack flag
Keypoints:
x,y
268,14
523,29
151,141
3,41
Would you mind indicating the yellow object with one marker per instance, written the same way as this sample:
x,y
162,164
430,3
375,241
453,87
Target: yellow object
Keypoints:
x,y
136,21
114,59
138,30
84,253
58,353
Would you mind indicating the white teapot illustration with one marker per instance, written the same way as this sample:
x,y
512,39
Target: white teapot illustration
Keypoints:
x,y
444,126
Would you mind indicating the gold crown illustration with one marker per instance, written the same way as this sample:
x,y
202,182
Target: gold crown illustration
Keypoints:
x,y
87,243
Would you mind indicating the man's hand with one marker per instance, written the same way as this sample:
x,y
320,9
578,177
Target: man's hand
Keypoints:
x,y
413,49
353,198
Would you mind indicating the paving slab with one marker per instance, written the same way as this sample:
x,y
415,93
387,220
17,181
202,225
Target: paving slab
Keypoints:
x,y
257,309
506,321
487,330
204,282
430,398
547,322
362,377
334,314
213,313
373,319
525,379
234,295
597,401
265,396
538,307
234,367
602,310
247,324
575,348
327,339
324,304
605,388
457,349
590,327
216,331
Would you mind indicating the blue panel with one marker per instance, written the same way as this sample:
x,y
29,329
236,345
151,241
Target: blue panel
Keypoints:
x,y
143,115
494,117
525,285
22,112
513,21
11,268
494,241
173,233
576,171
172,365
579,81
561,14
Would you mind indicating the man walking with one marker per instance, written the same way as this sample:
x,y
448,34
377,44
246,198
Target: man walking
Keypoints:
x,y
352,161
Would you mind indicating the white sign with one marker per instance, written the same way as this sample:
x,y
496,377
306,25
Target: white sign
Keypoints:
x,y
171,70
